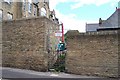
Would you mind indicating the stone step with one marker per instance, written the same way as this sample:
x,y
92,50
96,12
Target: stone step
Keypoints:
x,y
52,70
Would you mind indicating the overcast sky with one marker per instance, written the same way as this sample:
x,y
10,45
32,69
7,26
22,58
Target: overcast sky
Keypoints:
x,y
76,13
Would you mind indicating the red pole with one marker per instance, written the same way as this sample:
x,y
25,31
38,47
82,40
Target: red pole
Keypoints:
x,y
62,33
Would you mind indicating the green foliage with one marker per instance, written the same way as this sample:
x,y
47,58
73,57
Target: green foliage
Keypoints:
x,y
60,68
60,64
62,56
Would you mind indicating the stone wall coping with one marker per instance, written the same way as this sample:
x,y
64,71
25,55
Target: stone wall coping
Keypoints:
x,y
71,33
30,18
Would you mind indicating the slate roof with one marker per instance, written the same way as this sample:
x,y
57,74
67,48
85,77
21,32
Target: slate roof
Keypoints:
x,y
92,27
112,22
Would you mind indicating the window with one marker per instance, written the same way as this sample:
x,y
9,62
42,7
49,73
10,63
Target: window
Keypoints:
x,y
24,5
43,12
35,1
35,11
9,16
29,6
8,1
1,15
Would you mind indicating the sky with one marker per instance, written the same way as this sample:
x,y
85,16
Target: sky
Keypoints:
x,y
74,14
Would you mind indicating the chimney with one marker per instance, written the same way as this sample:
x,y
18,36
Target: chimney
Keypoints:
x,y
100,21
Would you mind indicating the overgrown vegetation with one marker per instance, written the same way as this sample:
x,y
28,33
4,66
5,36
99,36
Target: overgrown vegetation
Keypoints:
x,y
59,66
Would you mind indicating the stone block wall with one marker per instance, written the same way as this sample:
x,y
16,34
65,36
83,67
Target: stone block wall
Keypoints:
x,y
93,53
0,44
24,43
51,40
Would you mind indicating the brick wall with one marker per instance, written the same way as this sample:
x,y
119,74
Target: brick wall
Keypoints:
x,y
93,53
24,43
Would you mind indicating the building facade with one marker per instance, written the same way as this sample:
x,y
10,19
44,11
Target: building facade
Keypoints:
x,y
113,22
14,9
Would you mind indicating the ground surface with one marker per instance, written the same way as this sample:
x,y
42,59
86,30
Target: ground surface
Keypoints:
x,y
21,73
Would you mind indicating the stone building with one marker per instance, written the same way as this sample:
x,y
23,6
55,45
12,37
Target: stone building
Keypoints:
x,y
12,9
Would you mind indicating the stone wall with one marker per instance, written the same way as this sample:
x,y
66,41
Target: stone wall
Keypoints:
x,y
0,44
24,43
93,53
51,40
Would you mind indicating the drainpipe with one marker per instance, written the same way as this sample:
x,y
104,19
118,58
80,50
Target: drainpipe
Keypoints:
x,y
62,33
